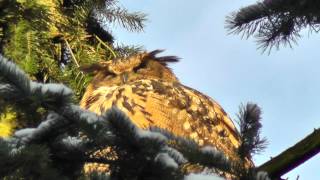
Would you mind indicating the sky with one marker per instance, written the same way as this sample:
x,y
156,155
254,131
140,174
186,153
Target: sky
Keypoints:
x,y
285,84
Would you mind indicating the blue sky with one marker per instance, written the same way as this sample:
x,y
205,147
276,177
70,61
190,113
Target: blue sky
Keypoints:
x,y
285,84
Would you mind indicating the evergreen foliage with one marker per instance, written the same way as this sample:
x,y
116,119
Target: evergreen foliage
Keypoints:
x,y
251,143
67,136
250,127
51,39
276,22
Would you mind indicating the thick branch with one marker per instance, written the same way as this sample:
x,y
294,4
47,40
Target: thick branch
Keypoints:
x,y
293,157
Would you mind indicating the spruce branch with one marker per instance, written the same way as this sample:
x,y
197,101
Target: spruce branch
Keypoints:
x,y
32,161
190,150
127,50
31,38
51,127
132,21
69,137
15,80
275,22
250,127
250,141
147,147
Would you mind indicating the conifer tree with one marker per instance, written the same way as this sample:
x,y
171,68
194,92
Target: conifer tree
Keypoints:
x,y
54,138
68,136
51,39
276,22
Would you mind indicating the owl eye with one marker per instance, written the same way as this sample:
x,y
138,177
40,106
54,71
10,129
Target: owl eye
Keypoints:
x,y
142,65
97,68
93,68
110,74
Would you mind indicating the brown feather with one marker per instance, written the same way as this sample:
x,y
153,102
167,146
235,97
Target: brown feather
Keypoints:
x,y
163,59
153,96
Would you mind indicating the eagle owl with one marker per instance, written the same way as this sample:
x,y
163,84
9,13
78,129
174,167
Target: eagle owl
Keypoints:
x,y
146,89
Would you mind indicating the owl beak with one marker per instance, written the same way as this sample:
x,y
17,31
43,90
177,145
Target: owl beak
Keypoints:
x,y
124,77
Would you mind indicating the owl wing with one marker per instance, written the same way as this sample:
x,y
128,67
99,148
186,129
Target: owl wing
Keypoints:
x,y
172,106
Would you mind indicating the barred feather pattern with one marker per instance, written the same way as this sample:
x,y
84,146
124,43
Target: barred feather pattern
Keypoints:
x,y
164,102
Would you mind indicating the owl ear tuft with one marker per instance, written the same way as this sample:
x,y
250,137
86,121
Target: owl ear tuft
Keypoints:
x,y
162,59
155,52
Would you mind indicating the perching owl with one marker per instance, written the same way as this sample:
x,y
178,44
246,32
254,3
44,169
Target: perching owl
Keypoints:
x,y
146,89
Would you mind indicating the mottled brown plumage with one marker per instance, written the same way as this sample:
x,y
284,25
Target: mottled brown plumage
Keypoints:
x,y
145,89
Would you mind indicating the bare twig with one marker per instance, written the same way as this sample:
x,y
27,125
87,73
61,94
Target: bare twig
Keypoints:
x,y
105,45
72,55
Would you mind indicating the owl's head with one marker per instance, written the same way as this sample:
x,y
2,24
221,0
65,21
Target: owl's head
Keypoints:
x,y
144,65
